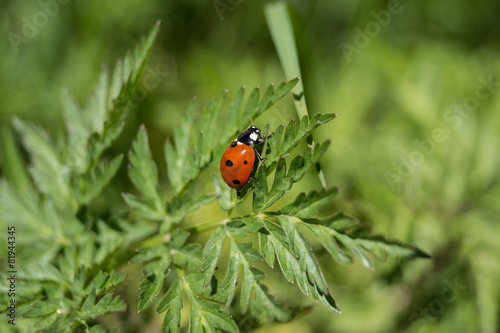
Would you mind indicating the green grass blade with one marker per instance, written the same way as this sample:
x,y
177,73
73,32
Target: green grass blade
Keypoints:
x,y
280,27
281,30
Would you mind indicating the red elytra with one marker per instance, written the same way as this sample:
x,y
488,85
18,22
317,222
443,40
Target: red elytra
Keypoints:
x,y
236,164
237,161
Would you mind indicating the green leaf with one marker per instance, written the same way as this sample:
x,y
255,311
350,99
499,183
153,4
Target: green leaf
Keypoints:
x,y
244,227
302,249
301,164
223,193
330,244
273,142
78,283
266,248
141,53
99,143
205,316
125,77
46,163
173,171
251,108
61,325
208,125
36,271
341,222
109,240
231,280
150,287
172,303
233,114
105,282
283,181
306,206
148,253
184,161
281,184
88,186
95,110
143,172
182,133
23,207
293,136
212,291
105,305
143,207
297,262
45,308
212,252
144,175
287,260
62,235
267,97
179,207
45,322
243,256
179,238
13,165
189,255
260,190
282,90
304,129
88,305
77,132
361,246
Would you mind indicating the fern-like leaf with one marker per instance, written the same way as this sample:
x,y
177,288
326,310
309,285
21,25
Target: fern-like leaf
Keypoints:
x,y
150,287
283,180
172,304
335,237
191,154
144,175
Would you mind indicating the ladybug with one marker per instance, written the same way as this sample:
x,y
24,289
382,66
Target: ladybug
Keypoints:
x,y
237,161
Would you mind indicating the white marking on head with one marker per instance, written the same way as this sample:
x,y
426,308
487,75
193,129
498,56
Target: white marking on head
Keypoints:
x,y
254,136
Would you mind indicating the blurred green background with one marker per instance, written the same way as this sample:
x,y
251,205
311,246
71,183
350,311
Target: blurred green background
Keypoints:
x,y
415,151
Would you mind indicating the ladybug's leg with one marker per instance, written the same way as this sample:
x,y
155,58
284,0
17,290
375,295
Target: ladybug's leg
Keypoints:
x,y
258,155
263,139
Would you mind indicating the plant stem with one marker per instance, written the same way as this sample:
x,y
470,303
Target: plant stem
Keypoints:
x,y
200,228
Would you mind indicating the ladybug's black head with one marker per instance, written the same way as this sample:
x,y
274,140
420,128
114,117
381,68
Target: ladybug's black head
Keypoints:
x,y
250,136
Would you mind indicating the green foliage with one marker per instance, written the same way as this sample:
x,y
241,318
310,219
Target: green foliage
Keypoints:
x,y
70,251
194,153
91,297
143,173
74,250
279,233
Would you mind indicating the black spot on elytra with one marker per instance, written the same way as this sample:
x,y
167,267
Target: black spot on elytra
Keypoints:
x,y
234,143
229,163
245,162
236,182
